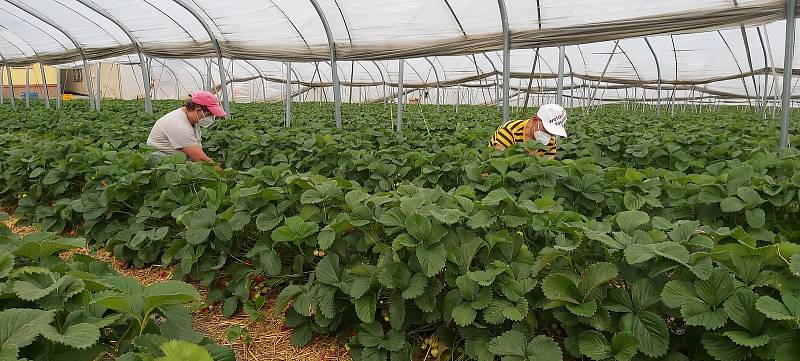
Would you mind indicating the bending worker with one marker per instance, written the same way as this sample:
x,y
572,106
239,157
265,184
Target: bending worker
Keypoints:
x,y
544,126
179,130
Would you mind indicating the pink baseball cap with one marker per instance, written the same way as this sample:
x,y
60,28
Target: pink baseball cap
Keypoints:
x,y
208,99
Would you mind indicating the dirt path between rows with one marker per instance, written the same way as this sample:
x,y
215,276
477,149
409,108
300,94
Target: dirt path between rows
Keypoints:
x,y
269,340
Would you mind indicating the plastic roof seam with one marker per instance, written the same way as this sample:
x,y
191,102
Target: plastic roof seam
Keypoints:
x,y
455,17
89,20
15,45
290,22
173,20
744,82
37,28
346,27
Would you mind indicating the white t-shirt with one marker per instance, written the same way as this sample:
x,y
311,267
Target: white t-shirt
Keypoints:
x,y
172,132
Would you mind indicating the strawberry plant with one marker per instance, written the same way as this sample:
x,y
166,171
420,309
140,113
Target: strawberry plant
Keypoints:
x,y
645,239
81,309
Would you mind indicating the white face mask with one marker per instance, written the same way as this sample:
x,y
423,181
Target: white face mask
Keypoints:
x,y
206,122
542,137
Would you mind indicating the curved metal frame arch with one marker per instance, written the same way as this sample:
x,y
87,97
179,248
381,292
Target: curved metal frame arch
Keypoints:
x,y
10,83
658,70
438,84
744,82
217,48
602,75
180,63
766,72
148,102
571,82
89,20
383,80
35,27
174,75
787,80
675,84
231,76
369,74
11,32
506,57
263,80
49,22
750,62
199,72
337,95
464,33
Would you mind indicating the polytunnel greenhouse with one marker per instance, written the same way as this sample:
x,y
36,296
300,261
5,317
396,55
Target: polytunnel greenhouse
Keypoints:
x,y
399,180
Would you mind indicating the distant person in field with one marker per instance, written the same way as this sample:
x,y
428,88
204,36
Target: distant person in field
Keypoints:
x,y
179,130
543,127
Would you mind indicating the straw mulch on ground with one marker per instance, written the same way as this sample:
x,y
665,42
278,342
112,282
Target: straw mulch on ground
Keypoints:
x,y
269,340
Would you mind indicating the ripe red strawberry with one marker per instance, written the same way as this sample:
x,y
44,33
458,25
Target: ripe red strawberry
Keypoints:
x,y
258,279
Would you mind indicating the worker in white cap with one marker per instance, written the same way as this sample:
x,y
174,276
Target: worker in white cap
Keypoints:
x,y
543,127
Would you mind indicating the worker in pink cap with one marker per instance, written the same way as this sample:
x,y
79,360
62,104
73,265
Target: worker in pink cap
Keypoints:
x,y
179,130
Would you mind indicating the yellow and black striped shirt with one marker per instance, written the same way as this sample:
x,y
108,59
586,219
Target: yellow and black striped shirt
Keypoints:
x,y
513,131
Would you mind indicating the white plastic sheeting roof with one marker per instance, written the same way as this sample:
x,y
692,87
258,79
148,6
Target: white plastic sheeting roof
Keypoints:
x,y
432,35
362,29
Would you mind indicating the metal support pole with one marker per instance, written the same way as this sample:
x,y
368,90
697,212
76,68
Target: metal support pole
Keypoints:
x,y
764,91
288,120
571,83
506,57
99,92
400,96
786,106
11,88
27,86
58,88
658,70
209,76
337,91
530,81
458,97
602,75
87,75
44,86
750,63
497,90
148,96
217,49
148,104
44,19
562,53
774,73
232,90
1,84
438,87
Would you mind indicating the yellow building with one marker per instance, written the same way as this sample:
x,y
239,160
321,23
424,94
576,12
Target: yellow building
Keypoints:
x,y
36,84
